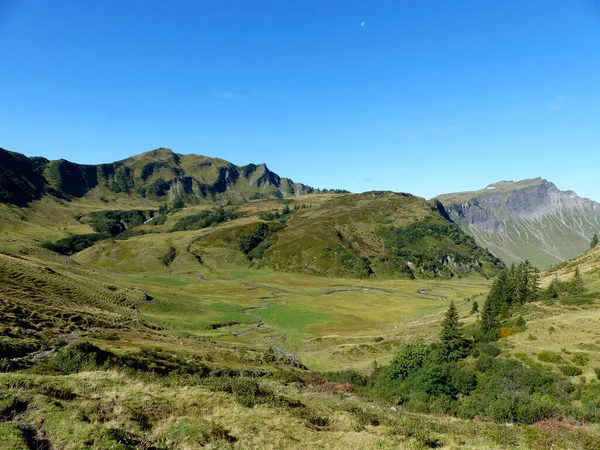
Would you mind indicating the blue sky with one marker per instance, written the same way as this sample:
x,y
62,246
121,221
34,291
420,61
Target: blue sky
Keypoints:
x,y
420,96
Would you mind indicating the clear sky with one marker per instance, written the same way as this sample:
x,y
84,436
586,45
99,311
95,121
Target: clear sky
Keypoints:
x,y
420,96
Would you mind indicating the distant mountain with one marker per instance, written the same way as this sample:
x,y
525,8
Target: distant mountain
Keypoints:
x,y
529,219
159,175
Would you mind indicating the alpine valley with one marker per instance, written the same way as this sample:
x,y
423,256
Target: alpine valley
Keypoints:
x,y
181,301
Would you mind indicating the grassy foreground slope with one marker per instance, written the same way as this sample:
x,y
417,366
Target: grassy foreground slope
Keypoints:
x,y
99,359
142,351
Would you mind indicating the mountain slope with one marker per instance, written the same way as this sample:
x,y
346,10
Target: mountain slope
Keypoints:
x,y
158,175
529,219
376,233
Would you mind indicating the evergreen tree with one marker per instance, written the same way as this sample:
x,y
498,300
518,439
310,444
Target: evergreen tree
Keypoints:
x,y
594,241
500,292
453,344
576,283
553,290
475,307
488,321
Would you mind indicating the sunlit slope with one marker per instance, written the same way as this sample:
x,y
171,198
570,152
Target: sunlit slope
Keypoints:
x,y
377,233
373,234
530,219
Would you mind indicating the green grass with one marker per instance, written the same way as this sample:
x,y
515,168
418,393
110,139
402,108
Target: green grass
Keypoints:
x,y
122,298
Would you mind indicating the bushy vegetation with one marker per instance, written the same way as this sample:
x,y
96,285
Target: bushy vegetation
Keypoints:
x,y
253,245
275,215
453,376
345,256
205,219
436,247
116,222
571,292
75,243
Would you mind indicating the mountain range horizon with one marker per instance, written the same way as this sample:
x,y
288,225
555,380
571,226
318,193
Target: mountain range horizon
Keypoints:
x,y
266,164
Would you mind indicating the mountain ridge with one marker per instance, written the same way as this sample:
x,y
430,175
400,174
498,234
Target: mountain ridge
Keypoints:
x,y
158,174
529,219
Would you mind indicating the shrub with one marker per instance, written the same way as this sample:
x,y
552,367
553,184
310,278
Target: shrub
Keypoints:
x,y
570,371
549,357
77,358
508,331
581,359
363,417
312,417
408,359
489,349
346,376
597,372
483,363
75,243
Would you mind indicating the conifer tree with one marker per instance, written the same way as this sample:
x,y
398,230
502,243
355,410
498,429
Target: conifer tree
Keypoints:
x,y
554,289
488,321
594,241
475,307
453,344
577,286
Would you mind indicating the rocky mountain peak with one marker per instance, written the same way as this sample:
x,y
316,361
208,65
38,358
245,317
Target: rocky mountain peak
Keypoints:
x,y
528,219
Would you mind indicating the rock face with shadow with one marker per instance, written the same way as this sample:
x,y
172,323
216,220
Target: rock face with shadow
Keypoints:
x,y
529,219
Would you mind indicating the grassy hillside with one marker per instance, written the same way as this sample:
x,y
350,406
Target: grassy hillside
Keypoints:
x,y
369,235
203,337
99,358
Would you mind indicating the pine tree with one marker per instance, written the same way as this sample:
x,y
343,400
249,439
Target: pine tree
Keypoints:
x,y
553,290
475,307
488,321
501,292
594,241
453,344
577,286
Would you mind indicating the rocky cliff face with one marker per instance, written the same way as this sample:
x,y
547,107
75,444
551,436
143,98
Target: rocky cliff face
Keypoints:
x,y
159,175
531,219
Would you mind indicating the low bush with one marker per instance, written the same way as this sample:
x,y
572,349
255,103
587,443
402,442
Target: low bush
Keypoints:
x,y
550,357
581,359
508,331
570,371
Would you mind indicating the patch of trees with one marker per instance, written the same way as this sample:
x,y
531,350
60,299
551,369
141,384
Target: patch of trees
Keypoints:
x,y
463,373
75,243
345,256
116,222
108,225
122,179
433,246
205,219
275,215
571,292
253,245
513,287
465,377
